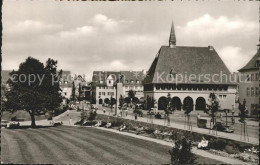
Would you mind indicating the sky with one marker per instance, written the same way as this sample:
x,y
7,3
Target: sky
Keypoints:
x,y
114,36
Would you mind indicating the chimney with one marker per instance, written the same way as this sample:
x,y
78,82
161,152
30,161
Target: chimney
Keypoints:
x,y
210,47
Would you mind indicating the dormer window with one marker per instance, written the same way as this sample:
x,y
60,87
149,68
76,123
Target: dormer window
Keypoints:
x,y
66,82
132,81
101,81
109,81
137,81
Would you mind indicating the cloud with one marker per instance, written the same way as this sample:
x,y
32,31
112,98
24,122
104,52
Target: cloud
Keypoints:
x,y
28,30
207,28
232,57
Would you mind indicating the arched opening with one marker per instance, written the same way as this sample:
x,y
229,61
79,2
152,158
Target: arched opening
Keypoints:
x,y
162,103
100,101
176,103
188,103
200,104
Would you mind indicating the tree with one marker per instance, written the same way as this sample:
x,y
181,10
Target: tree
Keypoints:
x,y
73,95
243,111
181,153
107,101
121,101
127,100
213,107
135,100
34,88
131,94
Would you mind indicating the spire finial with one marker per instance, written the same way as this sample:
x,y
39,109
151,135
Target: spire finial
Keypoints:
x,y
172,39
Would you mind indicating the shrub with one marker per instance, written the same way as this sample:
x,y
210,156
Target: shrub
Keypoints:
x,y
181,152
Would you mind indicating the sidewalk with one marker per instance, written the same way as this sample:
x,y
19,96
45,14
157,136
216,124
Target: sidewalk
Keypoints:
x,y
230,136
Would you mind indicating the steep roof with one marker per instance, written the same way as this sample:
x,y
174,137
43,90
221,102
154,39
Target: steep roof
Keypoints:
x,y
185,61
252,63
172,38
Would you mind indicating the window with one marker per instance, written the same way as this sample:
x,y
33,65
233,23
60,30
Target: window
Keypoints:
x,y
257,77
109,81
220,97
112,93
99,93
101,81
132,81
256,91
65,93
248,91
126,81
66,82
252,91
137,81
224,96
248,77
252,77
103,93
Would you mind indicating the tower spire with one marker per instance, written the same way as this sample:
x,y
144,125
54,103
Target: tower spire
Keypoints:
x,y
172,39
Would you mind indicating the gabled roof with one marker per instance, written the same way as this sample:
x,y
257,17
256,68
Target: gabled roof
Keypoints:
x,y
252,63
185,61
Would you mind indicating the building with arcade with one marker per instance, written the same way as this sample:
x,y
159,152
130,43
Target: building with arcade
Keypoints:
x,y
189,74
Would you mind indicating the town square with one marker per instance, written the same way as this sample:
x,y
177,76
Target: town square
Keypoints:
x,y
174,82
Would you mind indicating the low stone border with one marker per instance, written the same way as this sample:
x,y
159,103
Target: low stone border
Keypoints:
x,y
218,143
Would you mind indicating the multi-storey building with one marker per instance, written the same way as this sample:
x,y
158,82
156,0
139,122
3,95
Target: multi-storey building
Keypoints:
x,y
249,84
189,74
66,86
104,84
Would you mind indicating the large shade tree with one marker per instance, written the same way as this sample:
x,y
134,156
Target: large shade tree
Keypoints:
x,y
34,88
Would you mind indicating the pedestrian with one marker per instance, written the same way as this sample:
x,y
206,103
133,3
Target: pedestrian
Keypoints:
x,y
221,116
135,116
70,121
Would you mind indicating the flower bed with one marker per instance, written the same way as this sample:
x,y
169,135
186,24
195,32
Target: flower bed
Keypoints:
x,y
226,147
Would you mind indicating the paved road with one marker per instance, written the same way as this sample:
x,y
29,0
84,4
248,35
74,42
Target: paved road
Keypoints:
x,y
178,117
75,145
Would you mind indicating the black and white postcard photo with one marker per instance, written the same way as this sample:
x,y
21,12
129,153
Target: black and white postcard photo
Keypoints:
x,y
130,82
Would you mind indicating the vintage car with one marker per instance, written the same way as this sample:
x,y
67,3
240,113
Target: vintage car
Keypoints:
x,y
222,127
4,123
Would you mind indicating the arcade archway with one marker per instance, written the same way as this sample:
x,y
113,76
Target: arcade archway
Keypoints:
x,y
162,103
176,103
188,103
200,104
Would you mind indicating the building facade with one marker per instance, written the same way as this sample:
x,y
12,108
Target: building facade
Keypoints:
x,y
66,86
104,84
249,84
188,75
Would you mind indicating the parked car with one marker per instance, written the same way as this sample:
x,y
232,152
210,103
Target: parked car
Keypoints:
x,y
222,127
4,123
